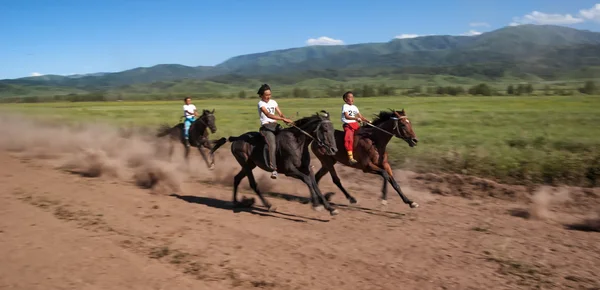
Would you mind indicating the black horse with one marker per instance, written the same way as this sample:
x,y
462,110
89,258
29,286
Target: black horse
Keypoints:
x,y
198,135
293,155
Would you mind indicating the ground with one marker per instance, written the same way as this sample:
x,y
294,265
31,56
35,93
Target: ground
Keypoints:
x,y
94,207
59,230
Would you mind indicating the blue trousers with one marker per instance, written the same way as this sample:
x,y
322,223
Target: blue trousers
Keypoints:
x,y
186,126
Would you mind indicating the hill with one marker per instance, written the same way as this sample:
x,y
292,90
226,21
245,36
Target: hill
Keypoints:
x,y
538,51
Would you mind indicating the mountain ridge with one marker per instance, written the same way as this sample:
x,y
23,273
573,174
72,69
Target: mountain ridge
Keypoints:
x,y
522,49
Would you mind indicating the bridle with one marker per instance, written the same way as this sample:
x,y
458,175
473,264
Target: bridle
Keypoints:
x,y
396,127
316,131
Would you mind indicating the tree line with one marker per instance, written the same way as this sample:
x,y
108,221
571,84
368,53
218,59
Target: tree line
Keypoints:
x,y
363,91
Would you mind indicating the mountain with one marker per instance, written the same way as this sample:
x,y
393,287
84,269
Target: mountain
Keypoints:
x,y
542,50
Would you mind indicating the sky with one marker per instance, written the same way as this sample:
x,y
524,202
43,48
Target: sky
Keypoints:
x,y
76,36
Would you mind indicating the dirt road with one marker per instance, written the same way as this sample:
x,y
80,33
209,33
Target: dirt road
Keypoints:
x,y
62,227
62,231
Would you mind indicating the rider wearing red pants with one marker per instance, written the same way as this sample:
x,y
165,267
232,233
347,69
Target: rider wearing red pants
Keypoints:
x,y
350,116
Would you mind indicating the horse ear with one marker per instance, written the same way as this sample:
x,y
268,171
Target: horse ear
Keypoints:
x,y
213,111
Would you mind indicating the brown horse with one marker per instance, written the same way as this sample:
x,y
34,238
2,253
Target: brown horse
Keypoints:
x,y
198,136
370,144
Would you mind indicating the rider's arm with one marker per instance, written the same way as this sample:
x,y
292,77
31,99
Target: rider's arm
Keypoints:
x,y
274,117
271,116
363,118
348,117
279,112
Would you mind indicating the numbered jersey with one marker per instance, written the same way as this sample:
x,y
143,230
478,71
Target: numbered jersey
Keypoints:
x,y
352,111
270,106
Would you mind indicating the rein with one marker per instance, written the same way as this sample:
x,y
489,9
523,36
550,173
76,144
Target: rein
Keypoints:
x,y
316,130
396,127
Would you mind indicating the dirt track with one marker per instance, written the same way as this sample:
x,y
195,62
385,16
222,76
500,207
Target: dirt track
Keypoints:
x,y
59,230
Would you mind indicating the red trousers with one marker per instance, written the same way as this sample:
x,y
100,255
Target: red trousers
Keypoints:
x,y
349,129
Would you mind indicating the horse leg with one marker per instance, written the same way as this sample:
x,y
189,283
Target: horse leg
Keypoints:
x,y
236,182
315,193
186,154
208,164
324,201
392,180
374,169
265,202
336,179
171,149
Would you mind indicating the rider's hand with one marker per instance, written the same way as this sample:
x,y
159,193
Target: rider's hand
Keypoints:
x,y
288,121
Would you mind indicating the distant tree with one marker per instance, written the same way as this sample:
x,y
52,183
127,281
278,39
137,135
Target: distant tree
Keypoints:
x,y
242,94
589,88
440,90
481,89
510,90
529,89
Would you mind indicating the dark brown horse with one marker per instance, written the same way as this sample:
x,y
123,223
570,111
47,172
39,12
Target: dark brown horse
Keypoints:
x,y
370,144
293,155
198,136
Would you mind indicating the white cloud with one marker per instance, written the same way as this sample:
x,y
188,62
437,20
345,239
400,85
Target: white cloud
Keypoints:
x,y
36,74
324,40
471,33
537,17
592,13
404,36
479,24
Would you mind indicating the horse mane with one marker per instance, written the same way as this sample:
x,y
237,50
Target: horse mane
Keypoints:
x,y
384,116
310,119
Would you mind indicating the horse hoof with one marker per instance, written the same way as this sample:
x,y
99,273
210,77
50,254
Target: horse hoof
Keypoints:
x,y
334,212
328,196
272,208
318,208
414,205
384,202
353,201
211,167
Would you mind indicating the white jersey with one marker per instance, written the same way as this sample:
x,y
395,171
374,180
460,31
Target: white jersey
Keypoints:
x,y
352,111
188,110
270,105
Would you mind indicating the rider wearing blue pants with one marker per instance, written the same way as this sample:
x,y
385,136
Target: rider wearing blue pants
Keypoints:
x,y
189,112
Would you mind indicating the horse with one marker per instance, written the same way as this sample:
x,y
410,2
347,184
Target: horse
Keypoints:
x,y
198,135
293,155
370,151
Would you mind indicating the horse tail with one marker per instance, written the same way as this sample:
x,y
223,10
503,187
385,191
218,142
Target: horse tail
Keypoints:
x,y
164,130
233,138
218,144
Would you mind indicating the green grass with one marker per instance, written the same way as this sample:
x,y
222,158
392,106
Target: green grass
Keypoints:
x,y
511,139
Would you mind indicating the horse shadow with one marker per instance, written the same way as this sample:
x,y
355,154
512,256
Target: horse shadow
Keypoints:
x,y
249,208
306,200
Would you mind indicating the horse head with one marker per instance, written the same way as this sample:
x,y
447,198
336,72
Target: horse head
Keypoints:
x,y
320,128
403,128
208,118
396,123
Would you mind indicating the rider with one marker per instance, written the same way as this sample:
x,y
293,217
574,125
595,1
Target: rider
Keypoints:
x,y
267,108
350,116
189,112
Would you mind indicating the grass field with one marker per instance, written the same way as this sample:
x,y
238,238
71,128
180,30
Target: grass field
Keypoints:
x,y
511,139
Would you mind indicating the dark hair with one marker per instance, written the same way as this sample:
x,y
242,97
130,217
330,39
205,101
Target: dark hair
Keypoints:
x,y
346,94
262,89
185,99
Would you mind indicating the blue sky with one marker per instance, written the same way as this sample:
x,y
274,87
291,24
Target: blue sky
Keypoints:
x,y
79,36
